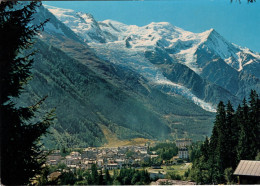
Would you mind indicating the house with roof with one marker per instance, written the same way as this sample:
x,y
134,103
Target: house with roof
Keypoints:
x,y
54,176
88,164
72,160
100,163
90,153
53,159
111,166
75,155
120,162
185,142
248,172
183,145
183,153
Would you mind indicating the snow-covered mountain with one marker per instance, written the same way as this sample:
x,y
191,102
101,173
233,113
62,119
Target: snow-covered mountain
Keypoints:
x,y
152,49
182,44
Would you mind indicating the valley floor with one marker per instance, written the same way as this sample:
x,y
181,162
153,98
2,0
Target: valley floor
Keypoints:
x,y
114,141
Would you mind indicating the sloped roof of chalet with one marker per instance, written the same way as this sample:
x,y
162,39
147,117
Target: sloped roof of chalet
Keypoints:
x,y
54,175
248,168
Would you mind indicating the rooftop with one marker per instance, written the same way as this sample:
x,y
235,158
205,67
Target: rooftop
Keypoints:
x,y
248,168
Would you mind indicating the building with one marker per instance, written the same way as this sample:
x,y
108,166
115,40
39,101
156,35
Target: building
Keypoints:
x,y
154,156
90,153
183,142
53,159
88,164
75,155
248,172
72,160
120,162
100,163
183,145
111,166
183,153
54,176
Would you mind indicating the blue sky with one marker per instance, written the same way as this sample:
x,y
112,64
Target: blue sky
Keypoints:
x,y
238,23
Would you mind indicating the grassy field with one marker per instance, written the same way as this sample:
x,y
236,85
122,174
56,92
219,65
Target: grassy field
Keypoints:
x,y
113,141
176,169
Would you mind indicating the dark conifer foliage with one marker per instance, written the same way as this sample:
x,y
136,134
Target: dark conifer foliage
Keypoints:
x,y
21,154
123,176
107,178
235,137
254,115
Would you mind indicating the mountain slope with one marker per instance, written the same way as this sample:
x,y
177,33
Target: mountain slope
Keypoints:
x,y
88,92
149,82
164,44
83,100
156,49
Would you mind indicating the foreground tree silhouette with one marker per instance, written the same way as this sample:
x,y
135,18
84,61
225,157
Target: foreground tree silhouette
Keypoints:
x,y
21,154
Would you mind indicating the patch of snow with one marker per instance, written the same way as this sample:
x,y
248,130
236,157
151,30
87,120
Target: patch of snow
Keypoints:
x,y
249,62
239,60
181,90
228,60
248,51
51,28
81,23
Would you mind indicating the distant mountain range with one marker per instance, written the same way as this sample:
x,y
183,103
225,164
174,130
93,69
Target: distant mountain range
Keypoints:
x,y
156,81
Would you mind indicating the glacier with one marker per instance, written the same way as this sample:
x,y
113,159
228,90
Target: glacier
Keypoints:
x,y
126,45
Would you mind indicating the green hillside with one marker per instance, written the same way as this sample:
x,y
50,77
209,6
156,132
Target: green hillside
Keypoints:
x,y
108,95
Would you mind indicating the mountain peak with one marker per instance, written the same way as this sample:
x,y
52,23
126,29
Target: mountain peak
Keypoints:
x,y
88,18
207,34
160,24
58,11
212,30
115,25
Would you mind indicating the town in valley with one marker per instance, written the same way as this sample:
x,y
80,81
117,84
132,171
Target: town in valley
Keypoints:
x,y
116,158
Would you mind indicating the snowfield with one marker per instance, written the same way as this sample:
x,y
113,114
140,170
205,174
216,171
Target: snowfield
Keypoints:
x,y
126,45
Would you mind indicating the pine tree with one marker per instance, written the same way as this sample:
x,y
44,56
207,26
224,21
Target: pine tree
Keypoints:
x,y
205,149
219,146
94,174
100,178
254,122
220,138
107,178
238,120
21,154
258,125
231,136
243,149
212,161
